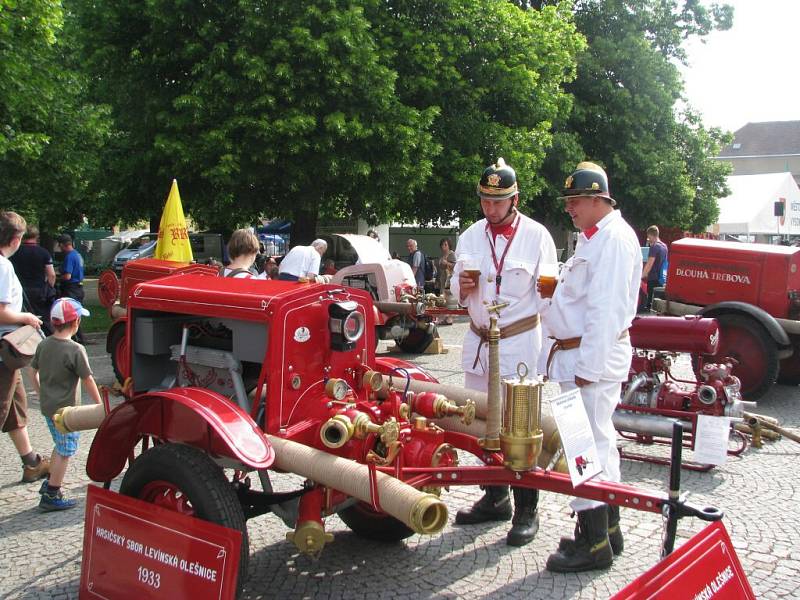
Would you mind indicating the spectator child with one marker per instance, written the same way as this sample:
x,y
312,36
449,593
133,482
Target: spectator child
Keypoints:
x,y
59,366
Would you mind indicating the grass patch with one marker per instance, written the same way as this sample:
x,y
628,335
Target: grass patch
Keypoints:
x,y
98,321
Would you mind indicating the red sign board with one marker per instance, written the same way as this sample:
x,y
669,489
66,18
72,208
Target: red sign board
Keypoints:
x,y
704,568
134,549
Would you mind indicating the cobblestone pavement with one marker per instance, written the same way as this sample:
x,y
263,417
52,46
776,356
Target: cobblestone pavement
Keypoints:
x,y
40,554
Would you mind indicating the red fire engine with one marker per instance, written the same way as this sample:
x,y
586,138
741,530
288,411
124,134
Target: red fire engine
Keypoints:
x,y
236,381
753,291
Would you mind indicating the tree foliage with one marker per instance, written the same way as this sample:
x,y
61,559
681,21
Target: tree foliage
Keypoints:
x,y
495,75
373,109
625,115
50,135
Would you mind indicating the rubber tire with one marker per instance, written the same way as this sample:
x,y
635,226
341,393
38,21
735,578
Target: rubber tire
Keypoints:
x,y
116,339
416,341
789,373
366,523
201,480
741,329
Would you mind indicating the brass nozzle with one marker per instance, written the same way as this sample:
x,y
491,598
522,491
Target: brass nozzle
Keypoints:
x,y
428,515
442,407
58,421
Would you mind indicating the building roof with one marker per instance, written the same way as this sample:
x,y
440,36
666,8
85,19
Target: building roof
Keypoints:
x,y
765,139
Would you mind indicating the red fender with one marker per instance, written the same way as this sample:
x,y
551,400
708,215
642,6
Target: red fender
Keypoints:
x,y
194,416
387,364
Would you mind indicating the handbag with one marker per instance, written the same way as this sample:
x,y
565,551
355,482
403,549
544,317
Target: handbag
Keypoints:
x,y
18,347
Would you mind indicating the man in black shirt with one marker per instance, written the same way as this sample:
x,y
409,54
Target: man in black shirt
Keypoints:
x,y
34,268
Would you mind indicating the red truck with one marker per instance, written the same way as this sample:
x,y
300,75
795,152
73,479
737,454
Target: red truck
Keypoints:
x,y
753,291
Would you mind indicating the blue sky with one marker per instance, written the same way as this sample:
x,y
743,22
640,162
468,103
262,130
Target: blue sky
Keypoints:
x,y
751,72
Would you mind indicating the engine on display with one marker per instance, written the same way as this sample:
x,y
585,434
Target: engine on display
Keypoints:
x,y
651,385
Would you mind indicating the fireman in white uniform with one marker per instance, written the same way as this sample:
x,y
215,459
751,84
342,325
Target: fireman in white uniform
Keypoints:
x,y
587,346
507,246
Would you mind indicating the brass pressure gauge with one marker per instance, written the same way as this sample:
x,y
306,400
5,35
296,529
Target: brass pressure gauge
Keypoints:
x,y
336,389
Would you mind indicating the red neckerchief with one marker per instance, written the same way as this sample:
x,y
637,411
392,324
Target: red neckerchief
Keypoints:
x,y
590,232
498,265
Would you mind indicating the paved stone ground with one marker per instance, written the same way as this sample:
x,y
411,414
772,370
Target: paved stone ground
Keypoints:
x,y
40,554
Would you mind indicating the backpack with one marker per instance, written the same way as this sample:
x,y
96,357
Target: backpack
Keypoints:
x,y
430,269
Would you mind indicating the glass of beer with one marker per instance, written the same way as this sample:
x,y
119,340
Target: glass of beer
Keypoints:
x,y
473,270
548,277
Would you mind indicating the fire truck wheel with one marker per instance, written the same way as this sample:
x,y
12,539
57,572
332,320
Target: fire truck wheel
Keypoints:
x,y
118,347
790,368
186,480
367,523
416,341
749,343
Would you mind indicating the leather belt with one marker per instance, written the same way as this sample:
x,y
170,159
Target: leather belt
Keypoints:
x,y
508,331
569,344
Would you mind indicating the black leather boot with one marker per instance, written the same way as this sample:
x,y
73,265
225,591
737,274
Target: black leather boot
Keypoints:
x,y
590,549
614,533
494,506
525,523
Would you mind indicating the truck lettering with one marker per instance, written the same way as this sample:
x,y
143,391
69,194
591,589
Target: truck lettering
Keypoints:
x,y
731,277
703,274
693,273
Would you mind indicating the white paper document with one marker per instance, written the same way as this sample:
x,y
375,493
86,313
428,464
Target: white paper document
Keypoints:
x,y
576,436
711,439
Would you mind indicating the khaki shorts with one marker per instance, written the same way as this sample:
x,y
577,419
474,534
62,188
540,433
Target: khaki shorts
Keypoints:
x,y
13,401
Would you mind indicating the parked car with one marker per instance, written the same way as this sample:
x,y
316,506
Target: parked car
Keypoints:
x,y
204,246
142,247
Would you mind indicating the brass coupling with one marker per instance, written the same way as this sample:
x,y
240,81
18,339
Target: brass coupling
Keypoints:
x,y
340,429
428,515
310,537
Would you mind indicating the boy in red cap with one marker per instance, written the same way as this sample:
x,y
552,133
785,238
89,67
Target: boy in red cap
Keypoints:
x,y
59,366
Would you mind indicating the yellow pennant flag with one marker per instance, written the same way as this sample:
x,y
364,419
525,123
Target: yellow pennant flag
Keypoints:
x,y
173,236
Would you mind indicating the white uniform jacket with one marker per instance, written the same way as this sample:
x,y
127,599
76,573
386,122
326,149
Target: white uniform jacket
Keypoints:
x,y
596,298
531,245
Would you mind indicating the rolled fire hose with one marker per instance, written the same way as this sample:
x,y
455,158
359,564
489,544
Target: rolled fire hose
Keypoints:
x,y
79,418
422,512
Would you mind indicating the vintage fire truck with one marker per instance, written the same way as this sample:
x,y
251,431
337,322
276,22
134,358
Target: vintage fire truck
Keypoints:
x,y
231,383
753,291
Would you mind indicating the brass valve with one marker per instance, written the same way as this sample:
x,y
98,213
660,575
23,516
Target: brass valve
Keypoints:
x,y
442,407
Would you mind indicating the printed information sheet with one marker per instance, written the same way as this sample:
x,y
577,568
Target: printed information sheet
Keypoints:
x,y
711,439
576,436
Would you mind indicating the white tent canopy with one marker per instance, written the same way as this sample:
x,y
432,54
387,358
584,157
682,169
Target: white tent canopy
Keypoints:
x,y
750,207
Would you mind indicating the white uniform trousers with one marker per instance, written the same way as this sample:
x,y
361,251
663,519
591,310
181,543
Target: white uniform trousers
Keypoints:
x,y
600,399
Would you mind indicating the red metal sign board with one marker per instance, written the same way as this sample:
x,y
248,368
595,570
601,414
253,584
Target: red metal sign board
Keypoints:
x,y
134,549
704,568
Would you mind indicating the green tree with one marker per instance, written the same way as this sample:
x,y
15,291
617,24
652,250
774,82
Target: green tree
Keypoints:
x,y
281,108
50,136
495,74
625,113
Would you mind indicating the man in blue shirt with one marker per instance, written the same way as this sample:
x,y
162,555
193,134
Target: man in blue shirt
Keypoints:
x,y
653,271
71,279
